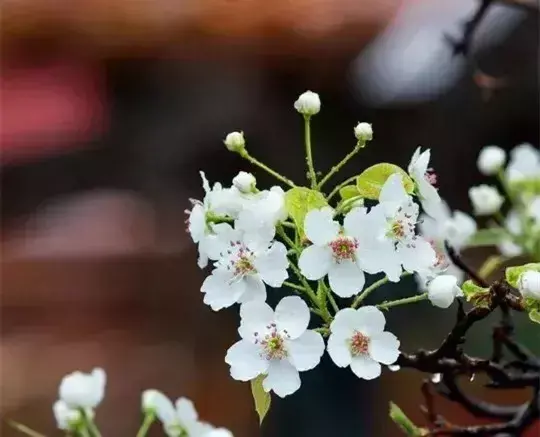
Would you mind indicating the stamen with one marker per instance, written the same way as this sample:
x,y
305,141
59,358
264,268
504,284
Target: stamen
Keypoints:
x,y
359,344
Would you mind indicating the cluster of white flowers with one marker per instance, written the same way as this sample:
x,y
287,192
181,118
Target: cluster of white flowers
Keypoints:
x,y
80,393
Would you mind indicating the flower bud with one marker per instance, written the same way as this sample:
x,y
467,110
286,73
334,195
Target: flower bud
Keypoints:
x,y
442,290
485,199
363,132
66,418
308,103
529,284
490,160
235,142
83,390
244,182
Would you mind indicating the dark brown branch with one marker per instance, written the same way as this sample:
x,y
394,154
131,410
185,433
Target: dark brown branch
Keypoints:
x,y
456,259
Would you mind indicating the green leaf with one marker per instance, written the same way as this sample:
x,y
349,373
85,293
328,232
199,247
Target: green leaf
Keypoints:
x,y
299,201
261,398
534,315
513,273
478,296
404,423
533,308
348,192
487,237
371,180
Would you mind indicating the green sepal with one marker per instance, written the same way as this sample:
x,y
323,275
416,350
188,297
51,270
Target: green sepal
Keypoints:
x,y
261,398
532,306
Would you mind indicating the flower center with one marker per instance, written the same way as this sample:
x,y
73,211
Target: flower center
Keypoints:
x,y
403,225
359,344
240,259
272,344
344,248
431,177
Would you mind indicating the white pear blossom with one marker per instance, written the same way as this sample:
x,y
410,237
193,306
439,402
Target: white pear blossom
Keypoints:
x,y
490,160
83,390
524,163
442,290
529,284
66,418
358,340
276,344
244,182
363,132
343,254
485,199
235,141
425,180
308,103
513,225
411,251
243,269
180,419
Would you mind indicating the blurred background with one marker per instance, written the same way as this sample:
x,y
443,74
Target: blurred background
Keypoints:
x,y
110,108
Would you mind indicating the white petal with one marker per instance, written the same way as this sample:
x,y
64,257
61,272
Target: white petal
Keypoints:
x,y
345,322
320,226
384,347
365,368
272,265
245,360
421,164
282,378
221,290
414,158
159,403
185,411
315,261
197,223
346,278
292,315
255,290
306,351
429,197
418,256
392,191
379,256
255,317
371,320
338,349
354,222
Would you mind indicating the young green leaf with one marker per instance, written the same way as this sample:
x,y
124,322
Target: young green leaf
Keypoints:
x,y
261,398
371,180
487,237
299,201
532,306
349,192
475,294
513,273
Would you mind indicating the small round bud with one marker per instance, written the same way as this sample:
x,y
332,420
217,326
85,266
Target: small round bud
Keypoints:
x,y
490,160
235,142
485,199
442,290
308,103
363,132
244,182
529,284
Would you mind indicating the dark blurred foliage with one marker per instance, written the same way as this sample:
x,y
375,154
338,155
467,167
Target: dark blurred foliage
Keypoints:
x,y
139,313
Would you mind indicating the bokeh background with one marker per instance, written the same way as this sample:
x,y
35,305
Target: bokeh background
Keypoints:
x,y
110,108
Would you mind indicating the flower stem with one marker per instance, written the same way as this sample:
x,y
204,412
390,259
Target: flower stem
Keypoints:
x,y
294,286
340,186
244,154
490,265
404,301
336,168
309,155
89,424
24,429
147,423
368,291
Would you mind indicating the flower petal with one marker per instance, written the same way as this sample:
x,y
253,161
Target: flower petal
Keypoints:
x,y
255,290
320,226
393,191
354,222
245,360
338,349
366,368
305,352
282,378
185,410
315,261
384,347
161,405
374,256
197,222
345,322
371,320
292,316
221,290
255,317
346,278
272,265
417,256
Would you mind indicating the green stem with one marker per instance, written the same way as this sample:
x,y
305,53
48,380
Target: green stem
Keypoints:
x,y
294,286
24,429
336,168
244,154
339,187
332,301
490,265
323,331
309,155
404,301
89,424
147,423
368,291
